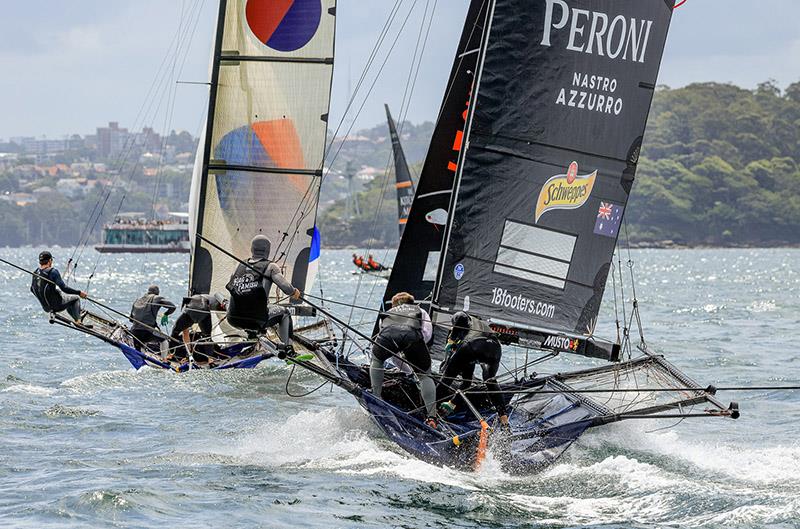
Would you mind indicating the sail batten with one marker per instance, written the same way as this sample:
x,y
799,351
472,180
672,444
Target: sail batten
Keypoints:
x,y
265,137
250,58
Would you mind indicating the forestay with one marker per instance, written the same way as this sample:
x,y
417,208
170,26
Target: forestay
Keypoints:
x,y
417,258
259,164
552,143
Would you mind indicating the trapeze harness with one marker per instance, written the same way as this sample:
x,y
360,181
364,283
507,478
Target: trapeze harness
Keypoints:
x,y
479,346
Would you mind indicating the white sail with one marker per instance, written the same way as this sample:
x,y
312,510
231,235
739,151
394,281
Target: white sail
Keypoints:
x,y
260,160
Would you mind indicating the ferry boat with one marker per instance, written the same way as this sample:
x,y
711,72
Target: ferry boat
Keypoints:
x,y
134,233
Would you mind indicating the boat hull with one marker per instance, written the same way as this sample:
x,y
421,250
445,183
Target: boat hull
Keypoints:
x,y
542,425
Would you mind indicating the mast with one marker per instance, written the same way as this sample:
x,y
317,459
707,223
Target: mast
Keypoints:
x,y
404,185
464,146
200,258
415,266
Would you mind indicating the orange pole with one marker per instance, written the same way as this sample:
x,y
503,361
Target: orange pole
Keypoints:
x,y
483,442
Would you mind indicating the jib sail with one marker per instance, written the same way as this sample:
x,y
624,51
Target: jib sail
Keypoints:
x,y
259,163
563,90
404,186
417,258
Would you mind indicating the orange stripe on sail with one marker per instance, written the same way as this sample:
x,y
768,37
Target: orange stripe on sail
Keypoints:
x,y
281,142
403,184
457,141
452,166
402,221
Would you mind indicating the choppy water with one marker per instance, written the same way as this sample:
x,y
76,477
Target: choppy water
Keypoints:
x,y
87,441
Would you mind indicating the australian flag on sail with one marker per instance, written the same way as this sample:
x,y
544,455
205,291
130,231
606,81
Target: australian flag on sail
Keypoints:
x,y
609,217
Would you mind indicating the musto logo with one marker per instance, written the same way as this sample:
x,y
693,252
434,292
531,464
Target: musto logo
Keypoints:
x,y
561,343
565,191
284,25
501,297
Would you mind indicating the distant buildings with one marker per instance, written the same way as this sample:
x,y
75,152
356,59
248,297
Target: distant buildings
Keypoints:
x,y
76,167
112,140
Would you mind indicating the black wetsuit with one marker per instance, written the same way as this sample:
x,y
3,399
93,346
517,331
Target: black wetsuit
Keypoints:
x,y
401,333
480,346
197,310
50,298
143,317
249,306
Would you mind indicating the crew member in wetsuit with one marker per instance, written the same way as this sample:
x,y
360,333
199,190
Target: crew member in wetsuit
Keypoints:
x,y
472,342
53,294
405,329
249,308
197,310
144,314
375,265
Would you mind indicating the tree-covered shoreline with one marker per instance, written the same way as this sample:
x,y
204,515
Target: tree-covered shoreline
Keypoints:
x,y
720,167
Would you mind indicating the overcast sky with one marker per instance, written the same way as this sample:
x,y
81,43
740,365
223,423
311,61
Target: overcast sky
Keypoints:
x,y
68,67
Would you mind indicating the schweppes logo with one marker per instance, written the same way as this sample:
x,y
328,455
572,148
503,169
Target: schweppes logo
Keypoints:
x,y
565,191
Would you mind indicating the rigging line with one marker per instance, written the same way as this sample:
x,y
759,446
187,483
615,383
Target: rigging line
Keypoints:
x,y
125,152
616,306
405,102
188,38
141,108
144,110
289,378
303,298
373,54
633,282
167,120
625,346
383,189
371,88
306,199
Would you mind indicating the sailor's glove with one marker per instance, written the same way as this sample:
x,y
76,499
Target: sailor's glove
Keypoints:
x,y
164,320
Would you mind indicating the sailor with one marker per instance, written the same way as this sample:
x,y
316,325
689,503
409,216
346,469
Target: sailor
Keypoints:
x,y
250,309
144,314
471,342
358,261
374,265
405,330
197,311
51,291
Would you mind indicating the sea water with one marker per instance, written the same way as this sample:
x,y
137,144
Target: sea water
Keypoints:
x,y
87,441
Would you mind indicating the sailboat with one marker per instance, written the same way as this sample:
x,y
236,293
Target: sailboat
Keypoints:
x,y
258,167
404,190
516,219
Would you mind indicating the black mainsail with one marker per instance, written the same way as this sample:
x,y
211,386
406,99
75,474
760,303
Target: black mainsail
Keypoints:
x,y
559,108
404,185
417,258
556,115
